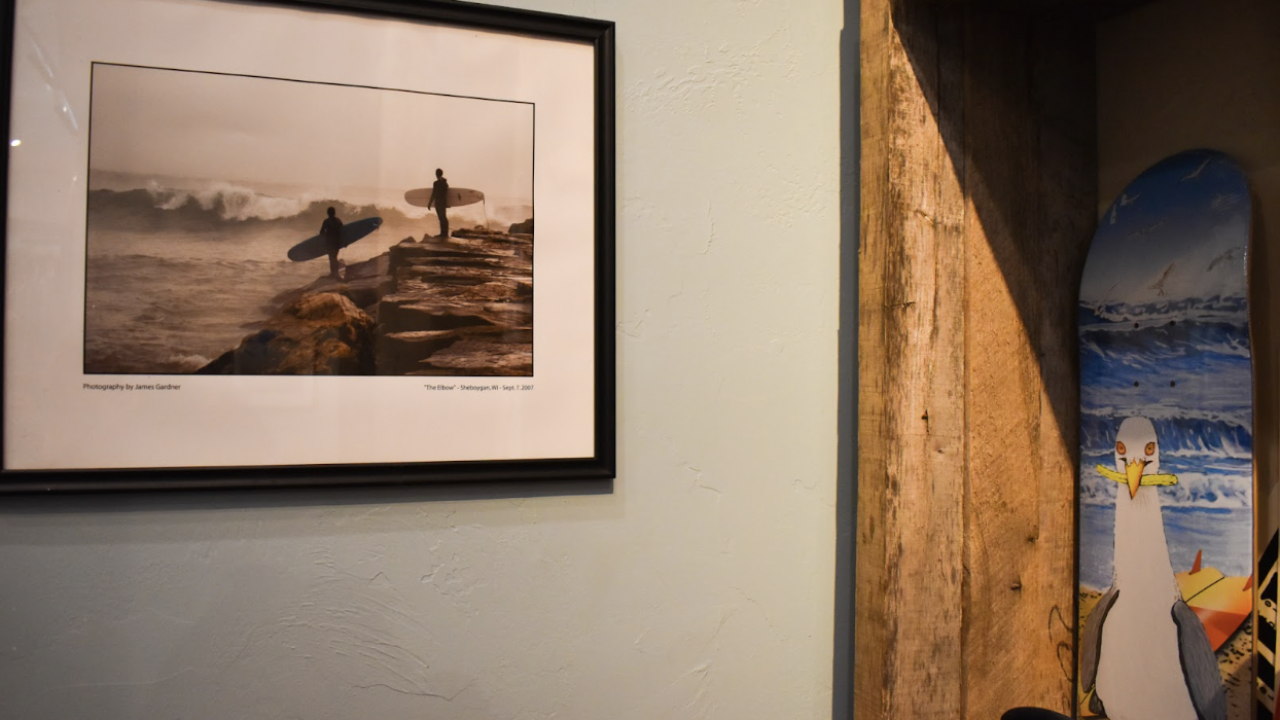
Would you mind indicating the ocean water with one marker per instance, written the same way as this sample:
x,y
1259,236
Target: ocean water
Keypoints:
x,y
178,271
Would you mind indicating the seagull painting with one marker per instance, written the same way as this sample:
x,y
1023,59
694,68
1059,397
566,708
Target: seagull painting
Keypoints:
x,y
1145,231
1144,653
1158,285
1196,173
1228,256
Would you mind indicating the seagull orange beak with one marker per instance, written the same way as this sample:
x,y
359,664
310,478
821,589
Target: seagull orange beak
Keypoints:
x,y
1133,471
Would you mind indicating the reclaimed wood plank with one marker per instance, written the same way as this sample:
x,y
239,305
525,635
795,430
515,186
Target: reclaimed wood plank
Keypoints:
x,y
911,441
977,203
1029,228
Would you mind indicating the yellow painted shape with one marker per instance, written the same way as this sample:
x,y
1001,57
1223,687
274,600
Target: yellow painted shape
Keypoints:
x,y
1229,595
1161,479
1192,584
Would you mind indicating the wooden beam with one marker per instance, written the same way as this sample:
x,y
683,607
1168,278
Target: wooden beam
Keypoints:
x,y
911,338
977,208
1028,131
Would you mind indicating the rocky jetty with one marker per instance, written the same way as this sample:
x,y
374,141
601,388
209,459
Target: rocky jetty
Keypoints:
x,y
456,307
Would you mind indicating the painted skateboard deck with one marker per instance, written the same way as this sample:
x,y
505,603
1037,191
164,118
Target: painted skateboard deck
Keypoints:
x,y
1165,492
314,247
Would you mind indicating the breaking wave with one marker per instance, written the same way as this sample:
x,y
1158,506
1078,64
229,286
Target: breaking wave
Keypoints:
x,y
1178,436
211,211
1223,488
228,208
230,202
1216,306
1167,339
1186,366
141,203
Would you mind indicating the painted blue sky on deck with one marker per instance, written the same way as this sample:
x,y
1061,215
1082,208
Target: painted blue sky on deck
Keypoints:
x,y
1174,233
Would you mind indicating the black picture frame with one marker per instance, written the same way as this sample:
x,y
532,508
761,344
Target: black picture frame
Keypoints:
x,y
597,462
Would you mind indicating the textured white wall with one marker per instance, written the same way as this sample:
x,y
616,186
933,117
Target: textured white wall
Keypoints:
x,y
702,586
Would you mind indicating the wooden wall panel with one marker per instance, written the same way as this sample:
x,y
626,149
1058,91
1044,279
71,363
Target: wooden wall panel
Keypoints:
x,y
1030,218
1003,379
977,208
1064,96
872,622
911,481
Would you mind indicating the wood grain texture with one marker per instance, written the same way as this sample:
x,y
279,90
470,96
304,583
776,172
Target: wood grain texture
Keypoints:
x,y
977,202
1066,145
873,621
1031,221
911,454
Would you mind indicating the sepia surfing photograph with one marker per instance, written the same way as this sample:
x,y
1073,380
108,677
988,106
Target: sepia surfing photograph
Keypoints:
x,y
307,232
251,225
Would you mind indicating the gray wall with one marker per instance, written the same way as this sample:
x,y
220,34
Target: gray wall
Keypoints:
x,y
700,584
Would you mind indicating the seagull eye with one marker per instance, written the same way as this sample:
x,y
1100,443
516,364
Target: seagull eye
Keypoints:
x,y
1150,448
1120,447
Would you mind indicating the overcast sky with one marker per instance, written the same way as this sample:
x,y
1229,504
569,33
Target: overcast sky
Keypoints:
x,y
235,128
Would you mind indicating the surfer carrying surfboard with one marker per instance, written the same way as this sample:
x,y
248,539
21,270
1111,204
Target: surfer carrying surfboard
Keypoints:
x,y
440,199
331,231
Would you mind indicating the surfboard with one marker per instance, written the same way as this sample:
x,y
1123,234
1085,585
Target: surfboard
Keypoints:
x,y
457,197
314,247
1164,343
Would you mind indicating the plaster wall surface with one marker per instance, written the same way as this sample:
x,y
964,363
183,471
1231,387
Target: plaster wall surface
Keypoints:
x,y
1180,74
700,584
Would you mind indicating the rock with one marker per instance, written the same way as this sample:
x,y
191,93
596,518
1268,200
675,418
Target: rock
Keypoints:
x,y
362,283
489,347
522,228
317,334
474,357
461,306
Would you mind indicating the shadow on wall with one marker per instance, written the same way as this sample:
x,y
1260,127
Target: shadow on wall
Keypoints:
x,y
1032,713
1038,225
847,391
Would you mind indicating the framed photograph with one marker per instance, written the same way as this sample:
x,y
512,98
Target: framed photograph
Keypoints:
x,y
305,242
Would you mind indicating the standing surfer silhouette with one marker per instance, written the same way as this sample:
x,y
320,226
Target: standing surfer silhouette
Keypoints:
x,y
331,231
440,199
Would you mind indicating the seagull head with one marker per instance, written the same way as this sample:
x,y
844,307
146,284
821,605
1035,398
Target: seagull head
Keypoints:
x,y
1137,451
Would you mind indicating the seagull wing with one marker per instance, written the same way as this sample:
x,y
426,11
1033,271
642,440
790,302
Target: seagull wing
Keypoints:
x,y
1224,257
1091,646
1199,665
1158,285
1196,173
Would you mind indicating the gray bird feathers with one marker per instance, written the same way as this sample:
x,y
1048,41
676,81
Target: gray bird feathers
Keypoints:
x,y
1199,665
